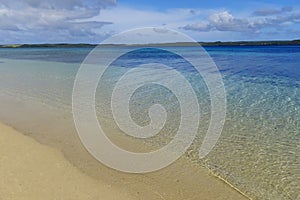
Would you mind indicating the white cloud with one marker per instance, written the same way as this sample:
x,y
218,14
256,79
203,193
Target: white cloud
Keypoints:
x,y
37,21
224,21
199,24
272,11
57,4
124,18
90,21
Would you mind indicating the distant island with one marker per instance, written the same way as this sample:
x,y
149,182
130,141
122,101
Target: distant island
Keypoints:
x,y
218,43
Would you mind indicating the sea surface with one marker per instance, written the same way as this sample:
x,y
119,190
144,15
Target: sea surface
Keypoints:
x,y
259,149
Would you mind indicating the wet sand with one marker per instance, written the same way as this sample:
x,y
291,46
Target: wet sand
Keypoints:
x,y
53,128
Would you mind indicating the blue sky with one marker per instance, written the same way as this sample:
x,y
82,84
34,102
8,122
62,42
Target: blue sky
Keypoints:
x,y
234,5
91,21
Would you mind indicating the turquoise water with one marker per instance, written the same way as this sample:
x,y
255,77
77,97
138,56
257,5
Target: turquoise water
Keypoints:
x,y
258,151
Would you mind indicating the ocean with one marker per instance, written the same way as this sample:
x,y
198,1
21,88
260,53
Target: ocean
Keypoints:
x,y
258,151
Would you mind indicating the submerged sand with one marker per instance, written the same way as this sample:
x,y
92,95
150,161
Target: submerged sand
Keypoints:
x,y
30,170
55,165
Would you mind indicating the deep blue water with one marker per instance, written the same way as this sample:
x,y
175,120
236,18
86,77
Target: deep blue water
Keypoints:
x,y
245,60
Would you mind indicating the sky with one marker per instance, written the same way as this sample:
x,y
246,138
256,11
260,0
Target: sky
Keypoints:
x,y
91,21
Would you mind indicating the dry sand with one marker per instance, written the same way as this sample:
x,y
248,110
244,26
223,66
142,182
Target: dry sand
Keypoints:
x,y
29,170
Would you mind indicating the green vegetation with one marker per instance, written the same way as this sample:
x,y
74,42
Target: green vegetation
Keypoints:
x,y
62,45
218,43
251,43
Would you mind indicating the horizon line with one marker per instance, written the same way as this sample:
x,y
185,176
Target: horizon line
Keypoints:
x,y
241,42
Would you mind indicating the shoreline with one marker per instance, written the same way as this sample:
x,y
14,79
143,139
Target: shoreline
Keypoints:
x,y
30,170
202,43
178,181
35,99
103,187
53,126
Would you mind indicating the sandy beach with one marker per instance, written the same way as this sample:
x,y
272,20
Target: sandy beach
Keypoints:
x,y
149,100
45,159
29,170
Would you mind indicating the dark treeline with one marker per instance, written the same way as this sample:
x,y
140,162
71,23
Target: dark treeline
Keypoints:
x,y
218,43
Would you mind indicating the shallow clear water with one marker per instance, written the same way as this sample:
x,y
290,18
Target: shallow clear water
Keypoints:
x,y
258,151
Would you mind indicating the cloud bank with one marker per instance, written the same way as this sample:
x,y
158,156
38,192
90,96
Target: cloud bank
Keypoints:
x,y
272,11
91,21
37,21
276,20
